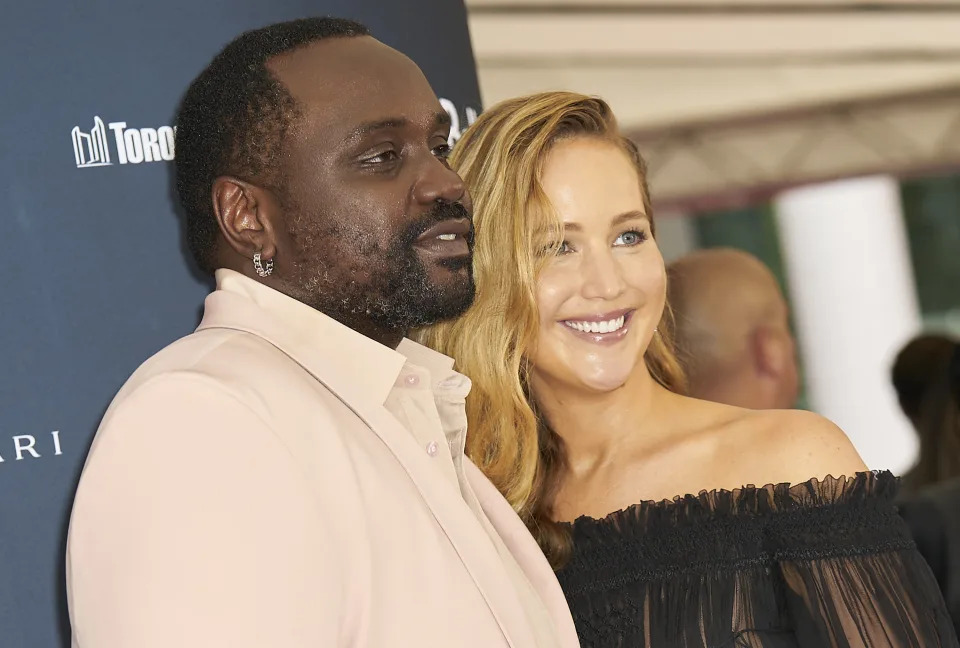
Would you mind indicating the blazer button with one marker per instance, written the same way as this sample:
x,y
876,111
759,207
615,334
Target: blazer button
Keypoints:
x,y
432,448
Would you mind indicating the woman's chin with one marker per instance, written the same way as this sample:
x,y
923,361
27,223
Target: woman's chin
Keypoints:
x,y
604,383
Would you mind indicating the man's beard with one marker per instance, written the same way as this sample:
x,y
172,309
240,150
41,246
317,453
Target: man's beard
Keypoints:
x,y
357,281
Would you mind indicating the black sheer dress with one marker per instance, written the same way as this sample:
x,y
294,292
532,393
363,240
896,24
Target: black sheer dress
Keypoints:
x,y
824,564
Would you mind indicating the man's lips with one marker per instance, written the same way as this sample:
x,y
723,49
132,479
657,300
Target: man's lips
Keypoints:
x,y
457,227
447,238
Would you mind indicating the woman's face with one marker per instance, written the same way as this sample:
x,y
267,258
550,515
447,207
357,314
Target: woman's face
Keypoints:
x,y
602,295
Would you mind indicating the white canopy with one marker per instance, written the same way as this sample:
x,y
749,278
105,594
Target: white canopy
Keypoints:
x,y
731,99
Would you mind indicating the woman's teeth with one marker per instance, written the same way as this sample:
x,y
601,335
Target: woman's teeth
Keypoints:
x,y
597,327
447,237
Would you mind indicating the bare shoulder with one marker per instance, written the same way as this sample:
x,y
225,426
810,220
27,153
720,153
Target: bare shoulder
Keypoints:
x,y
801,445
740,446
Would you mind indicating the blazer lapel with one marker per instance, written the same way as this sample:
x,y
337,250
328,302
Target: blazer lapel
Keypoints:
x,y
525,549
467,536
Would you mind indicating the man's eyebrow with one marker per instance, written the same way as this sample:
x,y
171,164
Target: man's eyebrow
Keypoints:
x,y
440,118
371,127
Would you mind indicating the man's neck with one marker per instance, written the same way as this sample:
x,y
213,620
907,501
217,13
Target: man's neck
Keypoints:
x,y
390,338
387,336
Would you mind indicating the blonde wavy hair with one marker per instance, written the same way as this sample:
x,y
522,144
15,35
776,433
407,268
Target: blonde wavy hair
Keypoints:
x,y
501,158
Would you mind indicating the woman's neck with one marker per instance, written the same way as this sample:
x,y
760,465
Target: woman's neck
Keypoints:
x,y
596,427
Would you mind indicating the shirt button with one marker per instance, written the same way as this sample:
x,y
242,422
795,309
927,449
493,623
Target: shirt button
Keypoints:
x,y
412,380
432,448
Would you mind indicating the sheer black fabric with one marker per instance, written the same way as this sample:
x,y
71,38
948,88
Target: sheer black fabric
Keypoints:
x,y
933,517
824,564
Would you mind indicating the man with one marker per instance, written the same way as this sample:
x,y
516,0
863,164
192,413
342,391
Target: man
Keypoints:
x,y
292,474
733,332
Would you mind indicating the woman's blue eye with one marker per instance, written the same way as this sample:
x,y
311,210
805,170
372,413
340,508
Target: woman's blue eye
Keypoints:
x,y
555,249
633,237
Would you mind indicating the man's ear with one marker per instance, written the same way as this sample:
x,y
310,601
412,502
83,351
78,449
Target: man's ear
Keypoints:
x,y
246,214
770,351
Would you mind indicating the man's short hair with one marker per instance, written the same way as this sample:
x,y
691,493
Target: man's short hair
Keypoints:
x,y
234,118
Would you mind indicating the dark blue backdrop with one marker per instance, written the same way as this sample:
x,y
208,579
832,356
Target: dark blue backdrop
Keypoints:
x,y
94,276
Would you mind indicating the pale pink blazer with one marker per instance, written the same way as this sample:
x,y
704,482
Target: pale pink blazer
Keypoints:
x,y
247,489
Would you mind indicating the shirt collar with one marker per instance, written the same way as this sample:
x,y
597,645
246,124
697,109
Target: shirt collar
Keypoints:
x,y
436,363
310,334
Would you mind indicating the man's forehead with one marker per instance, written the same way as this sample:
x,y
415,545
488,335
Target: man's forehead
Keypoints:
x,y
359,74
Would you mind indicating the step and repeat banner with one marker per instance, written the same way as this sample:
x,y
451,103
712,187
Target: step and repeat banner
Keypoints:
x,y
95,277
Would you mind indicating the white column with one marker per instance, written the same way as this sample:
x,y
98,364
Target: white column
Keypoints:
x,y
855,305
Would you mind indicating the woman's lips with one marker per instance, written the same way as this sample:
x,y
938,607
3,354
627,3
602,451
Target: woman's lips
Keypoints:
x,y
604,328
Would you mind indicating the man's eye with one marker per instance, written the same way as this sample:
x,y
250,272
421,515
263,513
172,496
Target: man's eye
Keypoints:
x,y
380,158
443,151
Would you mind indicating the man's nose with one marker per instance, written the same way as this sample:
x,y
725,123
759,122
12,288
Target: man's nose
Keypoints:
x,y
438,183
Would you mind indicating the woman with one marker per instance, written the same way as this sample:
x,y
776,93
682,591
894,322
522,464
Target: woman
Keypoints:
x,y
576,415
921,378
926,375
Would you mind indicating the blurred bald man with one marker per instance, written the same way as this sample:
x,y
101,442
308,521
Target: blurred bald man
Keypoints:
x,y
733,332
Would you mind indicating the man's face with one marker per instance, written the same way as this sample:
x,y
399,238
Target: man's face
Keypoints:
x,y
789,390
377,229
